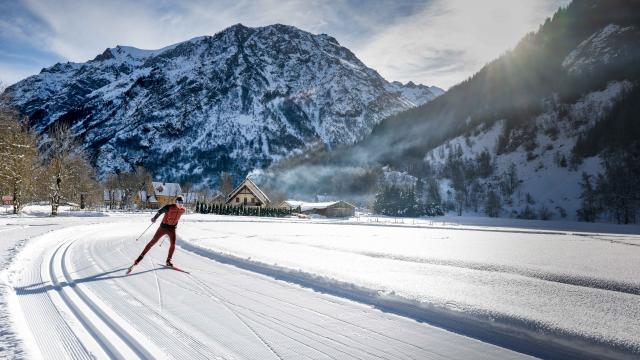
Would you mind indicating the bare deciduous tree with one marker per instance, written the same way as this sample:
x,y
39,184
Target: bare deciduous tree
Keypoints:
x,y
19,165
144,183
111,190
68,172
226,184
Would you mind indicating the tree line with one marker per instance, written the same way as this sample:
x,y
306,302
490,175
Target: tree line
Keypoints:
x,y
614,194
50,167
54,168
221,209
472,185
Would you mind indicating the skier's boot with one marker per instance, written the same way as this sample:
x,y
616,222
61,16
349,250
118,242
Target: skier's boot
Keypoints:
x,y
169,263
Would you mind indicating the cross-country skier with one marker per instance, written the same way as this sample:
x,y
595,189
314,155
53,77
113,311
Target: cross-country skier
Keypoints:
x,y
172,213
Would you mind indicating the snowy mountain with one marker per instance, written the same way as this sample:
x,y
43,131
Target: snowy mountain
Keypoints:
x,y
610,46
518,135
418,94
235,101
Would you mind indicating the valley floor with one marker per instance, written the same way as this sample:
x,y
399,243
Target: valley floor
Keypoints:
x,y
320,289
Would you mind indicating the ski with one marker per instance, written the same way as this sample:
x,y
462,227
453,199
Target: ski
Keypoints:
x,y
129,269
174,268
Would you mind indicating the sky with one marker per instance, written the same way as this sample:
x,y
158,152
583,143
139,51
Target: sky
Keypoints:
x,y
433,42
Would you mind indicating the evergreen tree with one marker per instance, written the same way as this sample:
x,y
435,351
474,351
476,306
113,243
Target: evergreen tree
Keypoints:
x,y
381,202
618,186
420,191
527,213
589,208
485,166
493,205
433,192
476,194
510,181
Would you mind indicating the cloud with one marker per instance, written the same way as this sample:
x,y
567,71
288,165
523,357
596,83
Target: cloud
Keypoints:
x,y
432,41
448,40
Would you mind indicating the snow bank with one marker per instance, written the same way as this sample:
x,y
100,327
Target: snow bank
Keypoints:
x,y
66,211
527,286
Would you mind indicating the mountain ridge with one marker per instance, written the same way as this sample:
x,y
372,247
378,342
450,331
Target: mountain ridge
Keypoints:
x,y
234,101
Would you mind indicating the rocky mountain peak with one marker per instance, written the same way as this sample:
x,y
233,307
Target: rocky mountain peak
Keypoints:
x,y
238,100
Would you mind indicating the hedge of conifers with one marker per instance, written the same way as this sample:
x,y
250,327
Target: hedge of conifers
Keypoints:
x,y
220,209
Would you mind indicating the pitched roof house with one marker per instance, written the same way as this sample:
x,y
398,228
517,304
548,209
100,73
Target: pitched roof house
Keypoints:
x,y
218,199
166,193
248,194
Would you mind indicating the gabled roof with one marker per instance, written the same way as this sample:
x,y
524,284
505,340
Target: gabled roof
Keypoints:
x,y
253,188
306,206
143,197
291,203
219,196
166,189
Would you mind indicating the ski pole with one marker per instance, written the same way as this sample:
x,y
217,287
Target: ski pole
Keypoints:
x,y
145,230
162,241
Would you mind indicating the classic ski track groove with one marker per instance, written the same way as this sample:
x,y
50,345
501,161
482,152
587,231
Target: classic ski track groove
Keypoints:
x,y
281,322
157,282
203,351
107,331
336,319
215,295
226,305
42,305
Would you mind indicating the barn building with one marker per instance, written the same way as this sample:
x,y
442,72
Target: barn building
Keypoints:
x,y
333,209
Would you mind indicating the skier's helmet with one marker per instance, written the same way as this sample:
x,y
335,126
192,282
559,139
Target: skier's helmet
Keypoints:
x,y
179,200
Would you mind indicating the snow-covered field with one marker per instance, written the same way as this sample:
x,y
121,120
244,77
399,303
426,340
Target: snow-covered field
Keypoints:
x,y
288,288
579,286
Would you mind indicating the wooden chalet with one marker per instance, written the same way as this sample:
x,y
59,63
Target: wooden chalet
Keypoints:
x,y
248,194
146,200
166,193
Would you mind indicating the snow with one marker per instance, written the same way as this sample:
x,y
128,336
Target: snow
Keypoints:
x,y
555,187
566,285
166,189
417,94
599,48
33,210
15,233
72,300
145,104
398,178
306,206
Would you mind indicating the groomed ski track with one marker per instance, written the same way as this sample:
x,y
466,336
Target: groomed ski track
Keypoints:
x,y
77,302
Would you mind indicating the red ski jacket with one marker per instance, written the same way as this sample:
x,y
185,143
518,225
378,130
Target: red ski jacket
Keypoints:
x,y
172,213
